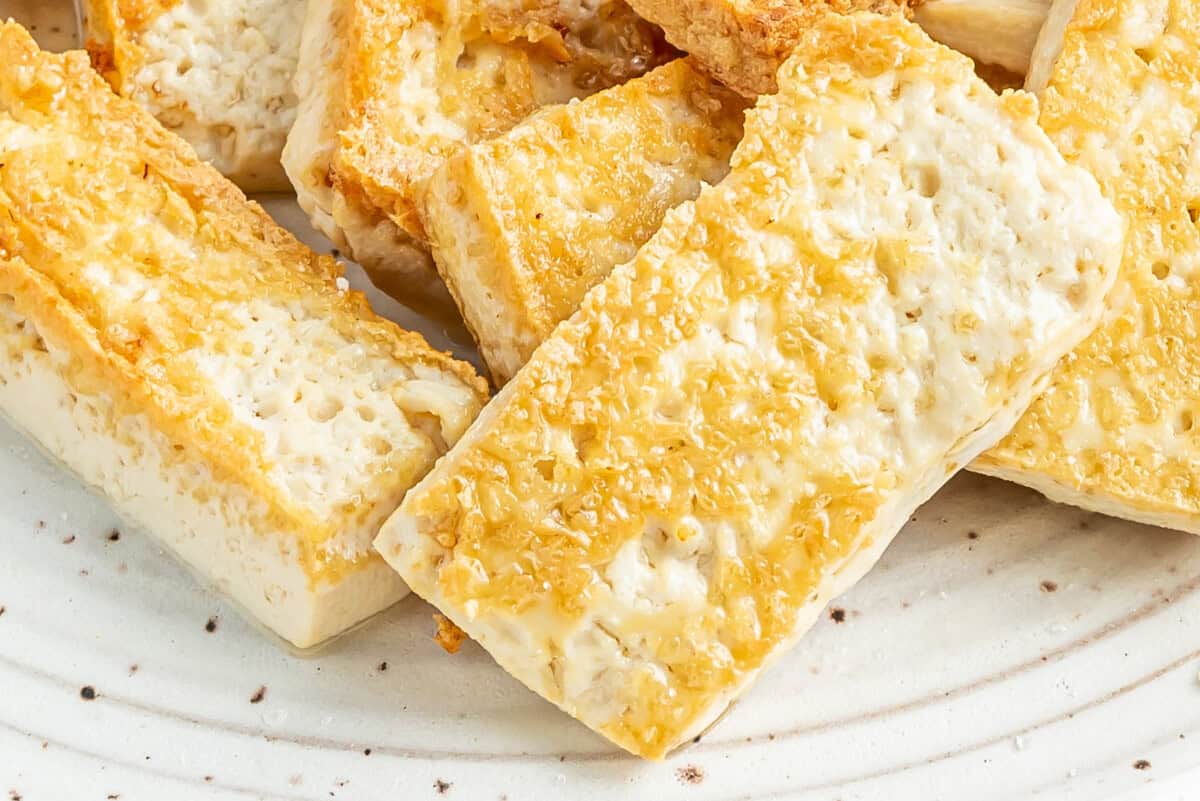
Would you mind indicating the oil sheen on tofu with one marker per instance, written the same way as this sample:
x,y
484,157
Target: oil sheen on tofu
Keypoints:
x,y
737,422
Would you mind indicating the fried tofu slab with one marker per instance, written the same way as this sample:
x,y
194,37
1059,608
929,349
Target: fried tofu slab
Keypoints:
x,y
218,73
174,347
525,224
736,423
1117,432
388,89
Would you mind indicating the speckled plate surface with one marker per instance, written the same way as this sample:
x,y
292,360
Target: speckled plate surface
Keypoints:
x,y
1004,648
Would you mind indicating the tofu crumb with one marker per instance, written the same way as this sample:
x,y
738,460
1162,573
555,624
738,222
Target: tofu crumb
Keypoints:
x,y
448,635
341,283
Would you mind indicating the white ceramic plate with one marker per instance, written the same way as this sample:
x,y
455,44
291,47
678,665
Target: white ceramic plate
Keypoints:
x,y
1005,647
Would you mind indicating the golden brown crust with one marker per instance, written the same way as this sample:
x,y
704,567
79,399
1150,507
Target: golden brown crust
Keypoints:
x,y
742,42
63,211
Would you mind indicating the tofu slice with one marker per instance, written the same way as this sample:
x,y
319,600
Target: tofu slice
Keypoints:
x,y
1116,431
169,343
741,43
525,224
216,72
997,32
736,423
390,88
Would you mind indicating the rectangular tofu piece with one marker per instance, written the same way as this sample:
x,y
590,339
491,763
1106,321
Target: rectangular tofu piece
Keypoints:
x,y
996,32
390,88
169,343
737,422
1117,431
525,224
741,43
218,73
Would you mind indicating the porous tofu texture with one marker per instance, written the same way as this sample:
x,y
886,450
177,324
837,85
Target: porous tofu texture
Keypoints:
x,y
197,363
735,423
1116,431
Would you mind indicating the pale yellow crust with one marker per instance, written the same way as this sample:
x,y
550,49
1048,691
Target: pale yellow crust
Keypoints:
x,y
1117,430
735,423
525,224
144,264
742,42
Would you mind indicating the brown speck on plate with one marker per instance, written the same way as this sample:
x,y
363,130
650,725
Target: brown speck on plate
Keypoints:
x,y
837,614
67,540
211,625
87,692
690,774
113,796
442,786
133,669
382,666
366,752
114,536
1049,586
972,535
1142,764
259,695
14,795
208,779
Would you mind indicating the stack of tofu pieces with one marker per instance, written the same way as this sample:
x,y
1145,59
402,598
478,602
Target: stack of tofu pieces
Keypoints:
x,y
754,279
